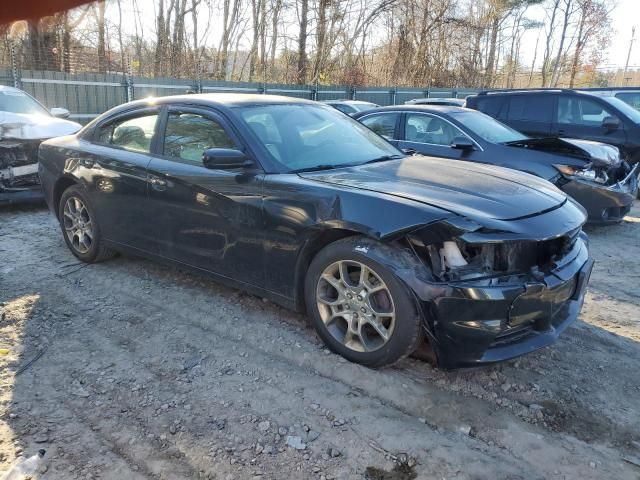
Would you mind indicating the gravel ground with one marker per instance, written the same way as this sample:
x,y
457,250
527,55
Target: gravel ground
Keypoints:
x,y
132,370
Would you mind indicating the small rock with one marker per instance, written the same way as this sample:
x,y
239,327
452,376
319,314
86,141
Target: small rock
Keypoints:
x,y
506,387
592,464
334,452
41,438
295,442
264,426
282,431
465,429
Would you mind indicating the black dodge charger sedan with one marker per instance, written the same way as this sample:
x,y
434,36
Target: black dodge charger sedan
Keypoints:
x,y
592,173
296,202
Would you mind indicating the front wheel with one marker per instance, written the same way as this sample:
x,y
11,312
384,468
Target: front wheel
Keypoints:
x,y
80,228
359,307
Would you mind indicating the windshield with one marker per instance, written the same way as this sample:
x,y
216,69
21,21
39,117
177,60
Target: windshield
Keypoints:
x,y
488,128
15,101
626,109
301,137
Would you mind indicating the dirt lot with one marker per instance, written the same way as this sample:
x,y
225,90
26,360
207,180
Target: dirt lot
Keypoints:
x,y
142,371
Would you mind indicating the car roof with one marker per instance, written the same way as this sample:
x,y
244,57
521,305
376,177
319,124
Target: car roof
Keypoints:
x,y
348,101
223,100
9,89
419,108
529,91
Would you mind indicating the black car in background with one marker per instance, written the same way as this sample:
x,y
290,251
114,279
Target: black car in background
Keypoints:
x,y
296,202
592,173
351,107
565,113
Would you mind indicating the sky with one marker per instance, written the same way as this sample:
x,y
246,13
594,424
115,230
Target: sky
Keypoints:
x,y
625,15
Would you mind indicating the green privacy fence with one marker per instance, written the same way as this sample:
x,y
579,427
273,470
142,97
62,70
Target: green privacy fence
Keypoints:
x,y
87,95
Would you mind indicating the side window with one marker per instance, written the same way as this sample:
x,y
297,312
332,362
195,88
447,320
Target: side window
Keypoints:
x,y
384,124
532,108
427,129
581,111
188,135
133,134
632,98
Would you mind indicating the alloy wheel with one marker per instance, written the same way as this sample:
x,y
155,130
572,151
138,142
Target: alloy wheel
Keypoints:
x,y
78,225
355,305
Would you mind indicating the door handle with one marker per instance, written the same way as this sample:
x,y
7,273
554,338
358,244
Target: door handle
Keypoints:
x,y
561,131
157,183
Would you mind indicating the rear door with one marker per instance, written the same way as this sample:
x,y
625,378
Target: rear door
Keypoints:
x,y
205,218
531,114
579,116
385,124
116,168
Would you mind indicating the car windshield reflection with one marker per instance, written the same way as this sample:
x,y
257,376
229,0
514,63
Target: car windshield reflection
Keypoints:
x,y
303,137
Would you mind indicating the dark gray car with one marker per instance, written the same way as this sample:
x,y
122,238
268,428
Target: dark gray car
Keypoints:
x,y
592,173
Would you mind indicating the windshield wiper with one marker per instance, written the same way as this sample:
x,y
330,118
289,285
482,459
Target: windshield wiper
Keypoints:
x,y
317,168
383,158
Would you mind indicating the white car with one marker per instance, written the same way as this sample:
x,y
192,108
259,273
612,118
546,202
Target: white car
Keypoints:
x,y
24,123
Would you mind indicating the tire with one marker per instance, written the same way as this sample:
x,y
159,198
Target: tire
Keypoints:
x,y
82,237
381,294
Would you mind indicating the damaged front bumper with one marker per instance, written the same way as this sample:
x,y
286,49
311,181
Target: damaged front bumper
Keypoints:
x,y
481,322
605,204
19,172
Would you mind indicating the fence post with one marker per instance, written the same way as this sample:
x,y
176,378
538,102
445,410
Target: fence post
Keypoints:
x,y
128,81
15,74
394,92
353,92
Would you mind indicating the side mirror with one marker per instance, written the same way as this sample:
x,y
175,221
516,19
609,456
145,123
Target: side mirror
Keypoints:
x,y
462,143
225,159
611,123
60,112
409,151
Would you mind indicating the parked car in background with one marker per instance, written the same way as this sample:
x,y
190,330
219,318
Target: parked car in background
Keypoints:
x,y
454,102
296,202
565,113
590,172
24,123
351,106
630,95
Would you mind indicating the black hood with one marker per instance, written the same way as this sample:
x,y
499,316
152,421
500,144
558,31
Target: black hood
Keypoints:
x,y
469,189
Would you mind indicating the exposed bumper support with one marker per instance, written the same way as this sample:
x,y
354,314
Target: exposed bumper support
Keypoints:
x,y
480,324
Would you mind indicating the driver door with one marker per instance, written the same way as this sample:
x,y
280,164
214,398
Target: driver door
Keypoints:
x,y
205,218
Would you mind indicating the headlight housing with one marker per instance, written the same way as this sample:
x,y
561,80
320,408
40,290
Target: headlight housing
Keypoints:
x,y
588,173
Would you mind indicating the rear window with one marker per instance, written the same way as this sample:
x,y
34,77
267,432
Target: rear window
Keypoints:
x,y
531,108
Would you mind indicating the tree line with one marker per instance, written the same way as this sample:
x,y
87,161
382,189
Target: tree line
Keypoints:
x,y
448,43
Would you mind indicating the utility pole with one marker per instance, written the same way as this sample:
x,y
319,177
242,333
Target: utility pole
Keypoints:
x,y
626,65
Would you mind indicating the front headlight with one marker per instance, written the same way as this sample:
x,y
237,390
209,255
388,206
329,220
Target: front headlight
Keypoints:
x,y
583,173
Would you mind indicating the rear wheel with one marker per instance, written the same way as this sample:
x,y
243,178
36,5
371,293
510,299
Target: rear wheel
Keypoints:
x,y
79,226
359,307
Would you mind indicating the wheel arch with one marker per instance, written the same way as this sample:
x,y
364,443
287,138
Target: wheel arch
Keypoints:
x,y
309,250
62,184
